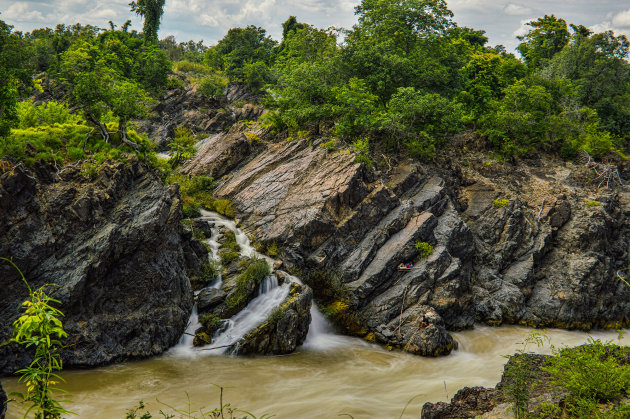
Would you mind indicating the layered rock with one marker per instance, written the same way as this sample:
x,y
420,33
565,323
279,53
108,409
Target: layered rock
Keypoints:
x,y
111,249
511,243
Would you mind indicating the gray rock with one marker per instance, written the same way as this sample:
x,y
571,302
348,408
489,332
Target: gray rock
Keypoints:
x,y
209,298
113,251
286,328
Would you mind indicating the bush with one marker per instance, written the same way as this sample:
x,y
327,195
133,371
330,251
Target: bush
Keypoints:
x,y
192,67
597,371
424,249
211,86
224,207
50,113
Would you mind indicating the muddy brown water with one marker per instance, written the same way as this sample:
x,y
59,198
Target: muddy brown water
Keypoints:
x,y
332,377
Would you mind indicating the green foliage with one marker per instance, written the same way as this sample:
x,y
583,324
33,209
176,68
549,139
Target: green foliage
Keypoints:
x,y
224,207
15,74
361,147
424,249
182,146
596,372
355,108
520,373
211,86
39,328
420,121
329,145
255,272
31,115
196,192
547,37
151,11
501,202
228,256
593,203
244,54
192,67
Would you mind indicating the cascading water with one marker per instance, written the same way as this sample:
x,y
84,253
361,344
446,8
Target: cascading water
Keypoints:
x,y
270,295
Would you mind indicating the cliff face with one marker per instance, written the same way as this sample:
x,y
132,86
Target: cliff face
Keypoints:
x,y
513,243
112,249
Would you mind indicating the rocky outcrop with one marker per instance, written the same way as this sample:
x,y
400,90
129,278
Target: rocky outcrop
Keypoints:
x,y
111,249
511,243
284,330
187,108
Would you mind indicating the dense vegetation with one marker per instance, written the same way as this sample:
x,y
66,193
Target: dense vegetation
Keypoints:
x,y
405,79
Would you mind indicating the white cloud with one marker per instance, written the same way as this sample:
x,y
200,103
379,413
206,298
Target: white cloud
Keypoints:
x,y
622,19
20,12
523,28
517,10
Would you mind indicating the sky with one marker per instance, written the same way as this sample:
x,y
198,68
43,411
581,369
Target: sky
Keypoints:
x,y
209,20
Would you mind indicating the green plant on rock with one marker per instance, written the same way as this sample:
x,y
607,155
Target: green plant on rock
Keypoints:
x,y
424,249
592,373
39,328
224,207
501,202
182,146
255,272
593,204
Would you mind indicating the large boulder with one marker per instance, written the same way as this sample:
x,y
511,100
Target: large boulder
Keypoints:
x,y
109,247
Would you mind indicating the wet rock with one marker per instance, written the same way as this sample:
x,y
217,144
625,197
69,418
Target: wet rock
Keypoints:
x,y
209,298
285,329
113,250
203,226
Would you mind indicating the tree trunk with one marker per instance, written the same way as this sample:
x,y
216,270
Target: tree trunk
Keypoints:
x,y
122,130
100,127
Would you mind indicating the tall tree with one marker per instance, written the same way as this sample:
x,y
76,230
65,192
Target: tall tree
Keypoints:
x,y
151,11
546,38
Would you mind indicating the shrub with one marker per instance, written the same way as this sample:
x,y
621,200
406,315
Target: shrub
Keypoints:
x,y
40,328
192,67
596,371
211,86
228,256
424,249
362,149
593,203
224,207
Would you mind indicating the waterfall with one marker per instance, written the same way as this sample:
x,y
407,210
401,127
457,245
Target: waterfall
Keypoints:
x,y
270,295
256,312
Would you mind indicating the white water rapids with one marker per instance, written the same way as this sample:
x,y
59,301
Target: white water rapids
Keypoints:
x,y
329,376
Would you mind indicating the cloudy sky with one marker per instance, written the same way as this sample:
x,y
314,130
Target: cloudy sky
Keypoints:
x,y
210,19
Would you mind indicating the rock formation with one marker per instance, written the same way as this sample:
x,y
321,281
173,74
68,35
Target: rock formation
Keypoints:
x,y
510,243
112,250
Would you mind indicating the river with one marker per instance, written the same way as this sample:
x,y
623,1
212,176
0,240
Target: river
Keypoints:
x,y
331,375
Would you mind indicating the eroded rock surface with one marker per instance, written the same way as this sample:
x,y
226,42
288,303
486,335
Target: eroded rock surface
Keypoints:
x,y
112,249
510,243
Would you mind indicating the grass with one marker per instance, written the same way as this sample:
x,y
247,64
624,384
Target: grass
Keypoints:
x,y
256,270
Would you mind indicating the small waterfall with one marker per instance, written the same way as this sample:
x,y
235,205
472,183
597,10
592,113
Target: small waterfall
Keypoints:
x,y
184,347
256,312
270,295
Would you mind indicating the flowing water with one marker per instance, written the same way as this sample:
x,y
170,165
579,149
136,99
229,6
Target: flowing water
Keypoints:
x,y
330,375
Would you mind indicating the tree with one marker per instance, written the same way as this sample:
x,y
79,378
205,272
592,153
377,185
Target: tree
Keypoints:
x,y
239,48
548,36
151,11
14,74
